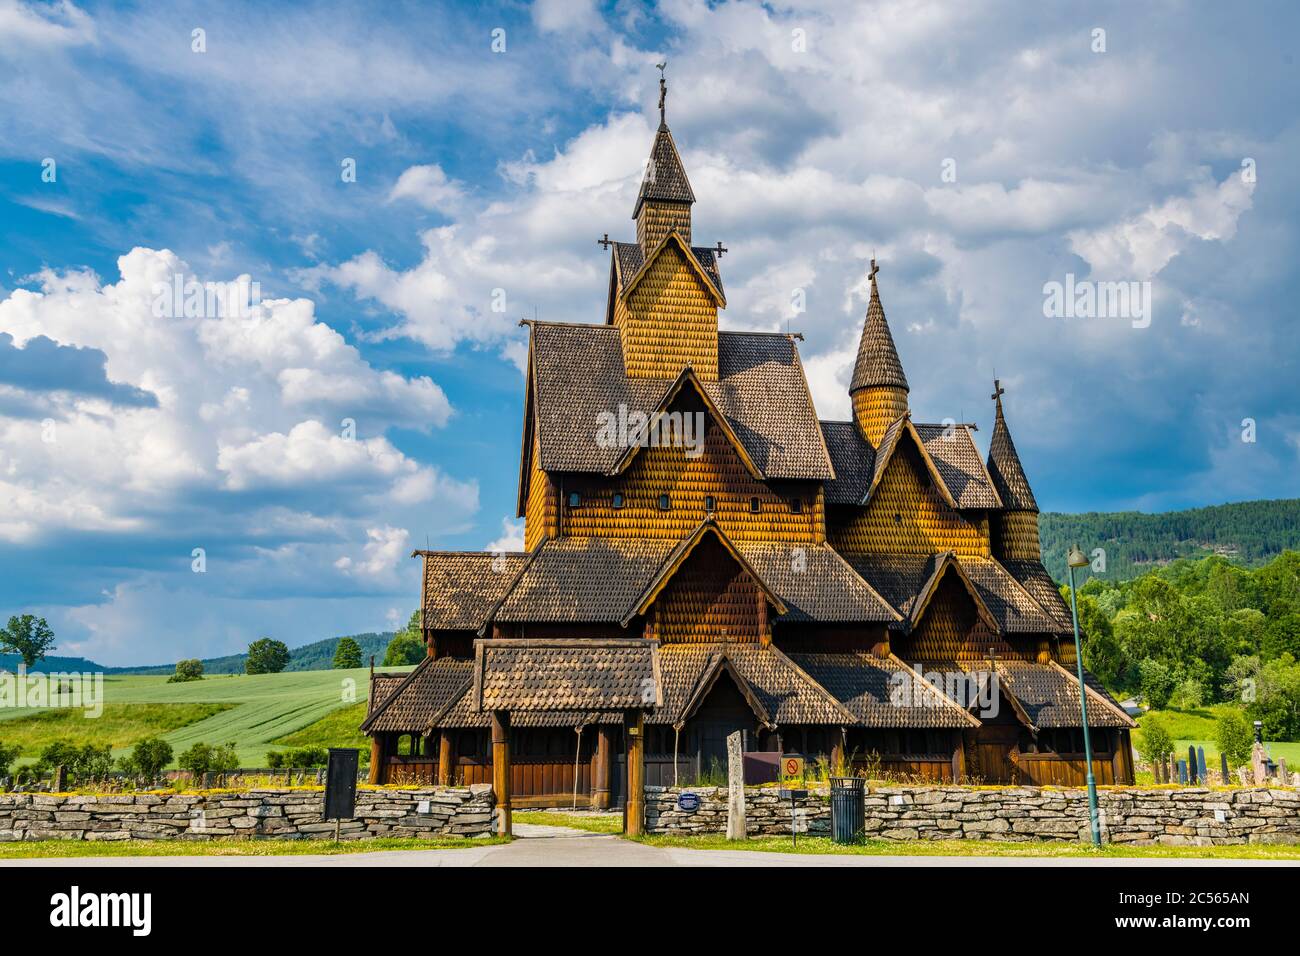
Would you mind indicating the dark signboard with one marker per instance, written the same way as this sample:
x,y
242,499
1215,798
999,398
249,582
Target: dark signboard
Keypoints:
x,y
690,802
341,783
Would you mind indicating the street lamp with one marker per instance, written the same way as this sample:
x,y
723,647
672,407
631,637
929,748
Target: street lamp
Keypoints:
x,y
1077,559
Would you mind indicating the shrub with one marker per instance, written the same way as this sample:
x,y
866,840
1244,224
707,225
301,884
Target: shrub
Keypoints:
x,y
7,756
404,648
1188,695
187,671
204,758
266,656
1235,738
274,759
83,764
306,757
147,758
1156,682
347,654
1154,741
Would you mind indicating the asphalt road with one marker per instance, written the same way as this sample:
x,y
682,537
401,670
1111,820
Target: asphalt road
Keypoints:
x,y
560,846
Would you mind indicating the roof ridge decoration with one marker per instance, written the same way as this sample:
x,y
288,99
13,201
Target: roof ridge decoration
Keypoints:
x,y
877,363
688,374
689,252
1004,465
677,557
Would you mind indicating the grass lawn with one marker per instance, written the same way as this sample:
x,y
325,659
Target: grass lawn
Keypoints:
x,y
55,849
591,822
339,728
256,710
119,726
1195,728
809,844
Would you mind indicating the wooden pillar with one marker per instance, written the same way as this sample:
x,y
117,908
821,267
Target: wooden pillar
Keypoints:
x,y
501,769
764,622
635,773
600,784
958,757
446,759
378,758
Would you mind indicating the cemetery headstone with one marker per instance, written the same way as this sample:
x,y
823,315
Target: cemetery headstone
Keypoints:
x,y
1191,763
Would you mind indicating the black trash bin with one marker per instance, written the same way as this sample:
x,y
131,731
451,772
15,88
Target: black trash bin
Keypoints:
x,y
848,809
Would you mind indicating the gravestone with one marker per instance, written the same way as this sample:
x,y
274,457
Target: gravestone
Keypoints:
x,y
59,782
1191,763
1282,774
1202,774
1182,772
1223,768
735,788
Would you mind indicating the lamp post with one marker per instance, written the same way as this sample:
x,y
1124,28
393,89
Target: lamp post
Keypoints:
x,y
1076,559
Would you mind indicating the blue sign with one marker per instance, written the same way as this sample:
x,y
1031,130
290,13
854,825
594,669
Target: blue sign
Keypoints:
x,y
690,802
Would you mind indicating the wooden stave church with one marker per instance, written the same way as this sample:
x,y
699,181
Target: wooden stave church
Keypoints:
x,y
789,578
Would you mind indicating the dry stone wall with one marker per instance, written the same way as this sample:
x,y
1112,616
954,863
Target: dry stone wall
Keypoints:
x,y
1172,816
275,813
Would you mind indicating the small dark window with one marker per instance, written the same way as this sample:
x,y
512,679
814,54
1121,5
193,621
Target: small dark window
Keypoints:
x,y
575,499
754,505
665,503
710,504
617,501
796,506
898,519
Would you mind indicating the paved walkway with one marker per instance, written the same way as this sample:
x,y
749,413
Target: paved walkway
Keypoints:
x,y
560,846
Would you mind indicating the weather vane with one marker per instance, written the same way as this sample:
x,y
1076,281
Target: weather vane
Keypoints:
x,y
663,90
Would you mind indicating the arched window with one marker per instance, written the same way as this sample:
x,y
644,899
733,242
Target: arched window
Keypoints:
x,y
617,500
575,499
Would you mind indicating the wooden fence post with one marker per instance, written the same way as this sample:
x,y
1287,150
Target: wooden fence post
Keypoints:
x,y
735,789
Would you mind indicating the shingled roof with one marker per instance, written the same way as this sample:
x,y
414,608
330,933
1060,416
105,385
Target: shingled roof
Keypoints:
x,y
1033,577
578,373
420,696
854,462
461,587
960,465
816,584
665,177
877,362
1014,608
883,692
1049,696
777,688
629,257
581,579
1004,465
548,675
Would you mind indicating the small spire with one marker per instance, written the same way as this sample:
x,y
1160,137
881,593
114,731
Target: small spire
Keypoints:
x,y
1005,469
877,363
663,93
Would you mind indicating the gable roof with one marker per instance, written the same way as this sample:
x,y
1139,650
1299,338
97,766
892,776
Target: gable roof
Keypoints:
x,y
1004,465
429,688
816,584
566,675
628,257
883,692
1033,577
628,283
1048,695
578,372
678,557
889,444
665,177
877,362
959,463
1012,606
461,587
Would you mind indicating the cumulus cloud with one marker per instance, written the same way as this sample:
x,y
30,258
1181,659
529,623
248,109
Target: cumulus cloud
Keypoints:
x,y
429,187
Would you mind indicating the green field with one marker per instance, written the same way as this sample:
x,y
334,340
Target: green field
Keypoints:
x,y
256,712
1195,728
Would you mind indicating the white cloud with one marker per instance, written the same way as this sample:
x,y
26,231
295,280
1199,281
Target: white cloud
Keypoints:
x,y
512,536
429,187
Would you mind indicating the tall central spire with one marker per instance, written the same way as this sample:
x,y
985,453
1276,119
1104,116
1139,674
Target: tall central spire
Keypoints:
x,y
879,387
664,203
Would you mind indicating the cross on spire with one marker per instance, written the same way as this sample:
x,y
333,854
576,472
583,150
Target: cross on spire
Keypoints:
x,y
606,242
998,390
874,269
663,91
720,249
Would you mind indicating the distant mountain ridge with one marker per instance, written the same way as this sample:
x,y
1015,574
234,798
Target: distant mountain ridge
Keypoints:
x,y
1249,532
318,655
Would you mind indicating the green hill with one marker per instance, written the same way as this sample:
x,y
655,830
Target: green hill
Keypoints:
x,y
316,656
1249,533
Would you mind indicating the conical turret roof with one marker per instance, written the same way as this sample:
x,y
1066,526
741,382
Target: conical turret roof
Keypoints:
x,y
877,363
1004,464
665,177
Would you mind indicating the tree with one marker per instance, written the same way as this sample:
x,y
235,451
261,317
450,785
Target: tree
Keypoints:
x,y
407,645
186,671
7,756
204,758
1234,737
1156,682
1154,741
347,654
27,636
1102,653
266,656
148,758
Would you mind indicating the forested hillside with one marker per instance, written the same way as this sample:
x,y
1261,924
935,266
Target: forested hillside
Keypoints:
x,y
1248,533
316,656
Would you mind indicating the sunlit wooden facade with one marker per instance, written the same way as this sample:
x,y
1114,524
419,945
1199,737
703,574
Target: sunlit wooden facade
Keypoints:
x,y
868,593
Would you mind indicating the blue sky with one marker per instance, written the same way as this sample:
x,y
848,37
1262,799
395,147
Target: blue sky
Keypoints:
x,y
814,135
